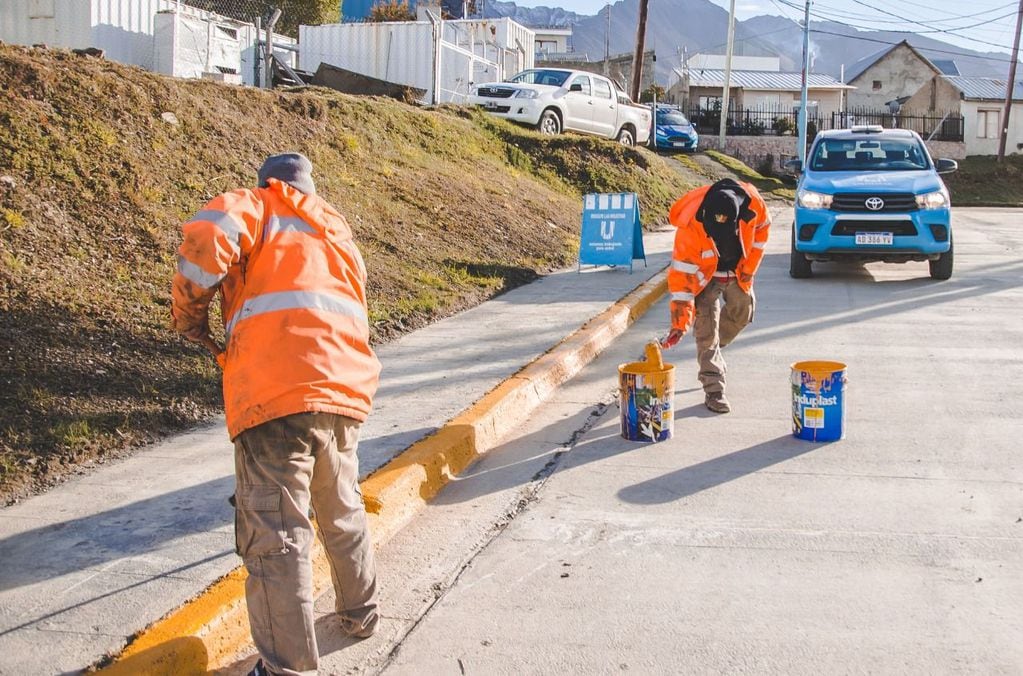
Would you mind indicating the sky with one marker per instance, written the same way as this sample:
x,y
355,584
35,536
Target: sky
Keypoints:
x,y
997,16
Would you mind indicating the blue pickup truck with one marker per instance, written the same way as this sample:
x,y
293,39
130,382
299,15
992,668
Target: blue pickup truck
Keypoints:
x,y
871,194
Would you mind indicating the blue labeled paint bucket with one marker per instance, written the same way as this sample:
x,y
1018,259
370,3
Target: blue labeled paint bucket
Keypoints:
x,y
647,397
818,400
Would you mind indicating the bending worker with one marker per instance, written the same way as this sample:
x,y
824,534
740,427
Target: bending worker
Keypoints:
x,y
299,377
719,242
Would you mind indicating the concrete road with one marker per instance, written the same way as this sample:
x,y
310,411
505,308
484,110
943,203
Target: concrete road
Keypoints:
x,y
733,547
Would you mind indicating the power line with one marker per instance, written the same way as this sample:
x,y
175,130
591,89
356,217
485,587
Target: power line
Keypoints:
x,y
902,20
949,19
833,12
918,23
929,49
930,8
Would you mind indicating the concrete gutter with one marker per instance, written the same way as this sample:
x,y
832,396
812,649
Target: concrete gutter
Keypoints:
x,y
209,631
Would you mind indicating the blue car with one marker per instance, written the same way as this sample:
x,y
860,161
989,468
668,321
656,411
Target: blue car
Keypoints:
x,y
871,194
673,131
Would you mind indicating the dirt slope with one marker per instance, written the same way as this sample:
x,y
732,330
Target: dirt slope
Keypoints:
x,y
99,164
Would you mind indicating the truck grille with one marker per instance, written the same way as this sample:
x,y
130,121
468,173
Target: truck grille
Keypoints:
x,y
495,92
851,227
857,202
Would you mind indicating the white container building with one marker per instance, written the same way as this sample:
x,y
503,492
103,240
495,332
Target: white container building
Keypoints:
x,y
165,36
444,58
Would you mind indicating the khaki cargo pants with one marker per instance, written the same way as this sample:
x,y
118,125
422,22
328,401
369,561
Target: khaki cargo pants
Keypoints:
x,y
715,327
280,467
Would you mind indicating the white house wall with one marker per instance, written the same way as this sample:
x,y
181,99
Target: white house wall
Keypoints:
x,y
989,146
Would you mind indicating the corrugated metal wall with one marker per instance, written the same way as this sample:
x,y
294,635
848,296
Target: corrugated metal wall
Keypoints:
x,y
399,52
403,52
124,29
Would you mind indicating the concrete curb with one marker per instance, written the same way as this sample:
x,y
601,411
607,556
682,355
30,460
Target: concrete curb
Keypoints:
x,y
209,631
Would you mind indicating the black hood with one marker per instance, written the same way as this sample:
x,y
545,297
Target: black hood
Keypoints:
x,y
726,197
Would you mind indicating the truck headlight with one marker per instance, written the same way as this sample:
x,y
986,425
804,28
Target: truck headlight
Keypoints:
x,y
813,200
932,200
526,94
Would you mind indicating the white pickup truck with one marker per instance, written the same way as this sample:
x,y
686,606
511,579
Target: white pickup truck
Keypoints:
x,y
555,100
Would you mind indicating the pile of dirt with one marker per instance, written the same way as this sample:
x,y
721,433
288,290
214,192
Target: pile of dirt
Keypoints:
x,y
100,163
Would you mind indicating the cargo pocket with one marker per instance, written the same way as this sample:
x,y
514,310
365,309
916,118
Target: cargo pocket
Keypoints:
x,y
258,523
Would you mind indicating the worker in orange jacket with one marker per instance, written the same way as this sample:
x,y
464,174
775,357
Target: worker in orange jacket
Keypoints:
x,y
299,378
719,243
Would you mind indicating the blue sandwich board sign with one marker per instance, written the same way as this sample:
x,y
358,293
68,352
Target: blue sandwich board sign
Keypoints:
x,y
611,232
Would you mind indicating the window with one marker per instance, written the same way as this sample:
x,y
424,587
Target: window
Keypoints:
x,y
710,103
876,85
601,89
583,81
987,124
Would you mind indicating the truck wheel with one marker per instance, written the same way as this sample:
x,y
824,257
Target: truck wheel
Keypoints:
x,y
549,124
942,268
626,137
799,266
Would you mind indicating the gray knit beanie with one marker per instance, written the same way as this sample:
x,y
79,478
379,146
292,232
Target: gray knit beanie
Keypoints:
x,y
292,168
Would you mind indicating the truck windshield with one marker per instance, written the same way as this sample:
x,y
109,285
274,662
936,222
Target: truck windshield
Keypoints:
x,y
868,155
555,78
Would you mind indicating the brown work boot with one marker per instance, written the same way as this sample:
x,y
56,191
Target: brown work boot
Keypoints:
x,y
716,402
354,629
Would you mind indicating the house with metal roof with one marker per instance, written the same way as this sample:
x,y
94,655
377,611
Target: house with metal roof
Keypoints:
x,y
981,102
755,89
891,74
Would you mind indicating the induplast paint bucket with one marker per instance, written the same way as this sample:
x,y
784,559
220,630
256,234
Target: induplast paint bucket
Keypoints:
x,y
647,397
818,400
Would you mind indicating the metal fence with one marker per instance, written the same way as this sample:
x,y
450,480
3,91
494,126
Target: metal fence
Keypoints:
x,y
781,120
938,126
293,12
241,10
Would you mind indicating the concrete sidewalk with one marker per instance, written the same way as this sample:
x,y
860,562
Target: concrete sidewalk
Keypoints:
x,y
93,562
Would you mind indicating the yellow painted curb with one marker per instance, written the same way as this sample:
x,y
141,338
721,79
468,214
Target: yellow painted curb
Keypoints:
x,y
209,631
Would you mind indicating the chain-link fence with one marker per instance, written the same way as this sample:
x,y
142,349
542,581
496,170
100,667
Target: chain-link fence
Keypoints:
x,y
293,12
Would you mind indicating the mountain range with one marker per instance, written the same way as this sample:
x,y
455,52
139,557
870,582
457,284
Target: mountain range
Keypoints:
x,y
701,26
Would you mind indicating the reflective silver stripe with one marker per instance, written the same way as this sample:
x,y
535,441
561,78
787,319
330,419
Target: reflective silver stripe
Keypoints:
x,y
278,224
765,224
682,295
699,276
759,245
223,220
709,253
691,268
197,275
297,300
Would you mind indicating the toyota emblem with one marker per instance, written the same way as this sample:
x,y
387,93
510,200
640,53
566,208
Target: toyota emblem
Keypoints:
x,y
874,203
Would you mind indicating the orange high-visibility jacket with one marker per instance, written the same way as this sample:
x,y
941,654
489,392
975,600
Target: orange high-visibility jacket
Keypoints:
x,y
695,256
293,294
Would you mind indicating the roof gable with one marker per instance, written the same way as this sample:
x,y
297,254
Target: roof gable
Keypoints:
x,y
860,67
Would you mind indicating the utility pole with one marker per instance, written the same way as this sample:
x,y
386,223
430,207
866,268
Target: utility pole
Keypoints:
x,y
728,76
1011,85
802,94
637,61
607,39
